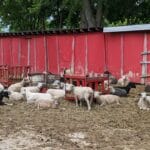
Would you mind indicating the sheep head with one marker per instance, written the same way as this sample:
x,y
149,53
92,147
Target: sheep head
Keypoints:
x,y
68,87
143,95
26,81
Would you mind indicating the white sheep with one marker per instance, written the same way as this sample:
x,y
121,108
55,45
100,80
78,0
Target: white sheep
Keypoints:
x,y
16,96
106,99
57,84
81,93
46,104
123,81
1,87
33,97
56,93
34,89
144,101
16,87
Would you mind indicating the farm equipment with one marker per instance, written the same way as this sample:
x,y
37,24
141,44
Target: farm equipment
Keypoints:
x,y
12,74
96,83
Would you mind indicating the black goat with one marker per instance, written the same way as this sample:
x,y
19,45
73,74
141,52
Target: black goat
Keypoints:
x,y
3,93
123,91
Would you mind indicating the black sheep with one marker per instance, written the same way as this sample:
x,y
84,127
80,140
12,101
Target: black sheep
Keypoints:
x,y
128,87
3,94
123,91
119,92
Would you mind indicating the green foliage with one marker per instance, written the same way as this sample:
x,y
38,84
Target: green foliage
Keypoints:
x,y
22,15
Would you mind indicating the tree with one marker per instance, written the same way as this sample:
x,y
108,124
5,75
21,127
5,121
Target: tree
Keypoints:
x,y
22,15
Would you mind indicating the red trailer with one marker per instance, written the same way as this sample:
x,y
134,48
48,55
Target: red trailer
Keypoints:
x,y
121,50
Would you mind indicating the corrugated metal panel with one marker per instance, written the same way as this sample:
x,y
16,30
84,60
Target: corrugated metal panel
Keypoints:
x,y
79,53
133,46
52,54
65,51
23,52
40,54
32,55
113,53
1,51
7,51
96,53
15,51
143,27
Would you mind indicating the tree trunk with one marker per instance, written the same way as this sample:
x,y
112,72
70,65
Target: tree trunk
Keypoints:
x,y
87,17
83,23
99,13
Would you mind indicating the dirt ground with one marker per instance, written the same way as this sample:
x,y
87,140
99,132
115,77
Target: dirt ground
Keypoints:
x,y
112,127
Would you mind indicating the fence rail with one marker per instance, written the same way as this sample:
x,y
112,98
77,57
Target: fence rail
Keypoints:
x,y
12,74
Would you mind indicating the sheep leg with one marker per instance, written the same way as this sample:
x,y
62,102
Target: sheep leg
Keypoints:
x,y
80,102
145,108
76,99
88,103
102,104
91,100
37,105
118,103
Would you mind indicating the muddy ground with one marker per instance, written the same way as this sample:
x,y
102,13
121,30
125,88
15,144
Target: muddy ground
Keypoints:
x,y
112,127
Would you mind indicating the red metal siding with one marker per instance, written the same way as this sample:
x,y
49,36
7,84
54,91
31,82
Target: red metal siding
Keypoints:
x,y
133,46
15,51
113,53
79,54
23,51
120,53
96,53
40,54
1,51
32,54
52,48
7,51
65,51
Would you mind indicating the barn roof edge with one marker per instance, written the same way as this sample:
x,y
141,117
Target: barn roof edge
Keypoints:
x,y
128,28
54,31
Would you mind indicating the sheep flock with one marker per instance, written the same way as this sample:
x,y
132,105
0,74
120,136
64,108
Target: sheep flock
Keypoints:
x,y
82,94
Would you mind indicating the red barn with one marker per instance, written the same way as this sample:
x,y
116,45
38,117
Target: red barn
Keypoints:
x,y
121,50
